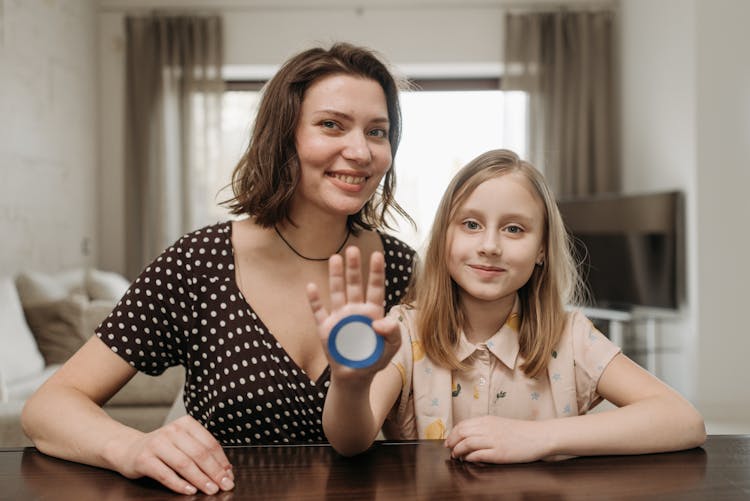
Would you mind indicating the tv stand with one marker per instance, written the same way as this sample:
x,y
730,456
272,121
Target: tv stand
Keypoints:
x,y
616,329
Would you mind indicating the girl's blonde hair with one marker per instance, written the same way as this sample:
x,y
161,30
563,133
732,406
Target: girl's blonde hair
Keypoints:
x,y
542,299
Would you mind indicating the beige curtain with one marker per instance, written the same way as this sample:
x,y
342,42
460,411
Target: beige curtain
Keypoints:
x,y
564,60
174,89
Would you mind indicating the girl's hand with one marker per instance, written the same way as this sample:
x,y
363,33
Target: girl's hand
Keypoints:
x,y
492,439
182,456
348,298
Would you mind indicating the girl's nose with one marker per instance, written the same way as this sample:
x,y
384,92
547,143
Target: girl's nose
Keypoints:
x,y
357,149
490,243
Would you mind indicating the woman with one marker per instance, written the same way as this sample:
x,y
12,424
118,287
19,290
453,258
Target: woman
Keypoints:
x,y
228,301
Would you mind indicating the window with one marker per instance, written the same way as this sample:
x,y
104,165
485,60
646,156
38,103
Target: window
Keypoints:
x,y
443,130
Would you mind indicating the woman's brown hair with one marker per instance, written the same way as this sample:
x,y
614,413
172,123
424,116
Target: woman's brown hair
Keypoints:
x,y
266,177
542,299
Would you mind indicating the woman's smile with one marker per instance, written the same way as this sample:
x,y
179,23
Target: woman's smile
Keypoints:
x,y
348,182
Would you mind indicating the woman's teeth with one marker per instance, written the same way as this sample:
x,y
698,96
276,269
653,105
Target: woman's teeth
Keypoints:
x,y
350,179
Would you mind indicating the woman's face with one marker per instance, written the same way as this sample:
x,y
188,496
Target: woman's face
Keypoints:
x,y
342,144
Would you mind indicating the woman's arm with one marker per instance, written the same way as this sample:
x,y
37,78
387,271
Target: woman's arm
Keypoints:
x,y
354,411
651,417
64,418
358,400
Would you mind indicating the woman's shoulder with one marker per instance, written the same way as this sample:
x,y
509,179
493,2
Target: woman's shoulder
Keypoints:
x,y
209,246
212,233
398,254
393,245
210,236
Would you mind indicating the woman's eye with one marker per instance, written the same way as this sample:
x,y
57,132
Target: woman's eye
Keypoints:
x,y
380,133
329,124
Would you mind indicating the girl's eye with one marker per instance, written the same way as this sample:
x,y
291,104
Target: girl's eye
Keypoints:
x,y
471,225
514,229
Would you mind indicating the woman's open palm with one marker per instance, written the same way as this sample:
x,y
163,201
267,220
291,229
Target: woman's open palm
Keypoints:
x,y
348,297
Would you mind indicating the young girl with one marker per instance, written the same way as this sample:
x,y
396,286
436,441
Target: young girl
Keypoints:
x,y
486,356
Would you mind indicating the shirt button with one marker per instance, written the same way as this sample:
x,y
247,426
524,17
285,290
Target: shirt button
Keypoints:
x,y
482,381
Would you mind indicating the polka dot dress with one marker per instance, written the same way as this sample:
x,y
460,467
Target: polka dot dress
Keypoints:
x,y
185,309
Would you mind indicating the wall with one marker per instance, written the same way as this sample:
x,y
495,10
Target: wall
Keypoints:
x,y
658,143
686,123
723,179
48,169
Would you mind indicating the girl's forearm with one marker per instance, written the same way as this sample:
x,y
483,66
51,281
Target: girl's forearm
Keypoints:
x,y
660,423
348,419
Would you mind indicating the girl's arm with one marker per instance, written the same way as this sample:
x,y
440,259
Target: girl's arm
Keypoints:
x,y
651,417
64,418
358,400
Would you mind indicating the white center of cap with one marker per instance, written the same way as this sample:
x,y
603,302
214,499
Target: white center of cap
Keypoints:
x,y
356,341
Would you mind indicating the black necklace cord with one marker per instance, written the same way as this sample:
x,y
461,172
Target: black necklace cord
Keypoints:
x,y
346,239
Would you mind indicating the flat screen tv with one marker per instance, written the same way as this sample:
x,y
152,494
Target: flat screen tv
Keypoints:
x,y
631,248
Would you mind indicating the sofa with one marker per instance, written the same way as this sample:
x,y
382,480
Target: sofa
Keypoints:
x,y
44,319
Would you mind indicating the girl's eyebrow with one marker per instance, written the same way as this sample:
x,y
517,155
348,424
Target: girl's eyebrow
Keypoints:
x,y
474,212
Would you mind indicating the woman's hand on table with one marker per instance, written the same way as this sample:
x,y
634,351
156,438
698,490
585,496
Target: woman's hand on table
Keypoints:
x,y
181,455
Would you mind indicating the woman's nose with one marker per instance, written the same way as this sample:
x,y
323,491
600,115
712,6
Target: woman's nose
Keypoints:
x,y
357,148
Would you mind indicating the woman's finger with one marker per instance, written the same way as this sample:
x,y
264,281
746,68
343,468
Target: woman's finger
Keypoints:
x,y
156,469
184,465
336,282
376,280
316,304
353,275
216,463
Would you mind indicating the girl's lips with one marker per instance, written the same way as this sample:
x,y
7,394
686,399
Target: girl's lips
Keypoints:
x,y
481,267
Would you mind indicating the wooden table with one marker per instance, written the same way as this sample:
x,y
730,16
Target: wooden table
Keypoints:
x,y
418,470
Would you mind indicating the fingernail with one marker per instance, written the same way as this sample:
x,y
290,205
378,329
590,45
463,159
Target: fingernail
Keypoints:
x,y
189,489
211,488
230,473
227,484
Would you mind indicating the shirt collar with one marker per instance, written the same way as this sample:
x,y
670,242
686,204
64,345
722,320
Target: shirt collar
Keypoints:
x,y
503,344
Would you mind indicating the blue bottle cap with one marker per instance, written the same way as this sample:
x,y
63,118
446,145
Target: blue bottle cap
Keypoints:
x,y
354,343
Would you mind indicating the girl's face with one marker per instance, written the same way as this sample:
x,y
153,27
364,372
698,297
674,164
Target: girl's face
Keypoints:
x,y
495,239
342,143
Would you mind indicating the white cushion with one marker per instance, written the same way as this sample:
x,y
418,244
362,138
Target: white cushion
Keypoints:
x,y
19,355
105,285
36,288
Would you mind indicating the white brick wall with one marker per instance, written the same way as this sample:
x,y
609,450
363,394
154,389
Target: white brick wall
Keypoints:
x,y
48,143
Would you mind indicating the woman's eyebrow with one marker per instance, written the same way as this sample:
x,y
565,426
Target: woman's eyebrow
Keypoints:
x,y
346,116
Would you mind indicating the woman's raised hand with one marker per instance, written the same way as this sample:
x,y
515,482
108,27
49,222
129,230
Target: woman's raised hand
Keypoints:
x,y
181,455
348,297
